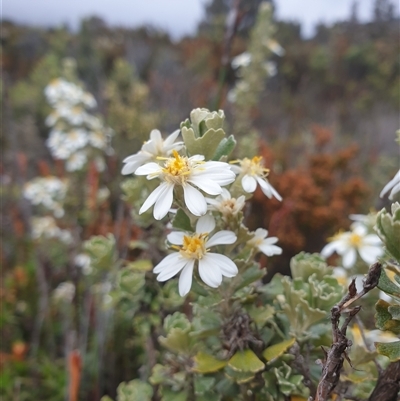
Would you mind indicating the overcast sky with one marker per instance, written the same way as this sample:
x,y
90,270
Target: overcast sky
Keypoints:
x,y
179,17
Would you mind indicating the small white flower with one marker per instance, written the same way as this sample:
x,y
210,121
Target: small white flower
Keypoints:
x,y
76,161
82,260
152,149
97,139
264,244
186,172
242,60
194,249
348,244
225,204
48,192
393,185
46,228
251,171
65,292
275,47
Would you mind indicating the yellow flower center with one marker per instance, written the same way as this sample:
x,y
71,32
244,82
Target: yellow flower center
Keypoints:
x,y
355,240
176,169
254,167
194,246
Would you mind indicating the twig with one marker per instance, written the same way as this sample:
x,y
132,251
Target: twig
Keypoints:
x,y
337,353
388,386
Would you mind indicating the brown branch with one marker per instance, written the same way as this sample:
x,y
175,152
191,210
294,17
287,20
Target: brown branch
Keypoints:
x,y
337,353
388,386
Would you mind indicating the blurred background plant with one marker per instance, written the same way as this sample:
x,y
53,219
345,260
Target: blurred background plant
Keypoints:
x,y
82,311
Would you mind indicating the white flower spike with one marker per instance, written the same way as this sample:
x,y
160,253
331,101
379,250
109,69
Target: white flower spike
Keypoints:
x,y
264,244
252,172
188,173
347,244
152,149
193,249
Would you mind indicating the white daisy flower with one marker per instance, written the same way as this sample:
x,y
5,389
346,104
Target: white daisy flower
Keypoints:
x,y
264,244
152,149
252,172
57,144
348,244
194,249
186,172
225,204
393,186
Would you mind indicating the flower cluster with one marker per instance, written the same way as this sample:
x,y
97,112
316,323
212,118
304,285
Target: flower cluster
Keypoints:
x,y
201,189
44,228
48,192
75,134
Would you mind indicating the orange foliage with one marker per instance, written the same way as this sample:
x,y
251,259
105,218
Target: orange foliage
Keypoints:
x,y
317,196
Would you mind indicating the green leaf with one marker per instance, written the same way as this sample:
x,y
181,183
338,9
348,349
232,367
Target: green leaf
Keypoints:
x,y
388,228
276,350
239,377
182,221
246,361
177,341
249,276
202,384
135,390
391,350
142,265
205,145
225,148
260,315
206,363
394,310
384,319
388,283
171,395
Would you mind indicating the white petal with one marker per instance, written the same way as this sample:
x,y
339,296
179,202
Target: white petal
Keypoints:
x,y
372,239
270,250
227,267
149,168
394,191
171,138
168,260
261,233
328,249
194,200
176,237
271,240
171,259
208,186
221,238
155,135
209,272
153,197
172,269
390,184
370,254
349,258
249,183
130,168
236,169
185,279
164,202
136,157
205,224
265,187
